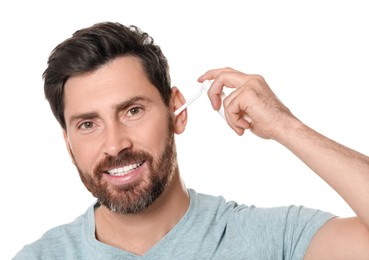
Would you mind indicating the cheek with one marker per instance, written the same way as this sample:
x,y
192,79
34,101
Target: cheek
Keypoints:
x,y
153,136
85,154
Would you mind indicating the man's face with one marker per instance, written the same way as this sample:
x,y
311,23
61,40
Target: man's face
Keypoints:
x,y
120,136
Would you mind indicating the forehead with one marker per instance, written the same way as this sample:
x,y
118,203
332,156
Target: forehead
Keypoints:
x,y
121,79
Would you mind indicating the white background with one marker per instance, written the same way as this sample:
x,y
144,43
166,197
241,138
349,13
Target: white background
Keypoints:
x,y
314,55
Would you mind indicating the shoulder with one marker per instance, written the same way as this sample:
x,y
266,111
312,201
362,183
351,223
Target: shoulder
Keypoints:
x,y
204,203
269,231
290,228
58,240
280,219
242,212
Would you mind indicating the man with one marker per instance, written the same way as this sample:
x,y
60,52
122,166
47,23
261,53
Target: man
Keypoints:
x,y
109,88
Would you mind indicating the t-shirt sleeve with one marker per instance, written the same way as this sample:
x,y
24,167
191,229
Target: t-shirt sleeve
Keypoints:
x,y
281,232
24,254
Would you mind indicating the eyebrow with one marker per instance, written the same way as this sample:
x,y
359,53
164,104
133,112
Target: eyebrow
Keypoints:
x,y
125,104
118,107
83,116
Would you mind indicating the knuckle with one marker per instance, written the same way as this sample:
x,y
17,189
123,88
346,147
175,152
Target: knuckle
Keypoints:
x,y
258,78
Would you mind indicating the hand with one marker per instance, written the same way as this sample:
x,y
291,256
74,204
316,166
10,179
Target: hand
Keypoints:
x,y
252,97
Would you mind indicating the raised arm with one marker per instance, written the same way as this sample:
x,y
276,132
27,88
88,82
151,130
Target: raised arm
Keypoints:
x,y
345,170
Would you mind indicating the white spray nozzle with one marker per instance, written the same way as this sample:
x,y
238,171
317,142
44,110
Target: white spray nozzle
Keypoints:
x,y
205,86
189,102
185,105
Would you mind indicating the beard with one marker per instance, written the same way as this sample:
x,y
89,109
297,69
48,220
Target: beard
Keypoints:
x,y
135,197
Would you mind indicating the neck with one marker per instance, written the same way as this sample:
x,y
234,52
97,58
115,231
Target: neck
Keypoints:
x,y
147,228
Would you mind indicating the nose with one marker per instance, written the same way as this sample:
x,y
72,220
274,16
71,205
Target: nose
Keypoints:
x,y
116,139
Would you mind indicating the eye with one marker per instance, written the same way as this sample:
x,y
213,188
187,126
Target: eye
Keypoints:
x,y
86,125
134,111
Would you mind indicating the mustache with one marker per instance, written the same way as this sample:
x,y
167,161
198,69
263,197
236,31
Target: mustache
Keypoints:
x,y
125,157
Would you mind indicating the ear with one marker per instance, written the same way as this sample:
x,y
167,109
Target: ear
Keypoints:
x,y
65,135
179,121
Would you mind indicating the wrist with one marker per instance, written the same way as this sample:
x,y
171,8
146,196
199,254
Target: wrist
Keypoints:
x,y
289,130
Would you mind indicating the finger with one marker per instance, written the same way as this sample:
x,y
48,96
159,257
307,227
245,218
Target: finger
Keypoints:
x,y
212,74
225,78
236,111
236,117
239,127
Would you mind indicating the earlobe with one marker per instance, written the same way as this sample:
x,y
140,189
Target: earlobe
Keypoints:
x,y
179,121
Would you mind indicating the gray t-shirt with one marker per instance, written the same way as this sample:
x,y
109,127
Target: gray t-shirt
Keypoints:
x,y
211,229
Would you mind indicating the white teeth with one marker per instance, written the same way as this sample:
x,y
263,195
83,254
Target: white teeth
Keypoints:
x,y
124,170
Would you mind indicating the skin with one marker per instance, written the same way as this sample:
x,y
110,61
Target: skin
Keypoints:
x,y
344,169
97,126
99,94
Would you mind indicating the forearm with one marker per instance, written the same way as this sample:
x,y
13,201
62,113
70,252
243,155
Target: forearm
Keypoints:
x,y
344,169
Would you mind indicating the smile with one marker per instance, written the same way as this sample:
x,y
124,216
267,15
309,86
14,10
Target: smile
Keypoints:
x,y
121,171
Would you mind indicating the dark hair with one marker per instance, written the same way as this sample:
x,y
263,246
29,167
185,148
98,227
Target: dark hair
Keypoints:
x,y
90,48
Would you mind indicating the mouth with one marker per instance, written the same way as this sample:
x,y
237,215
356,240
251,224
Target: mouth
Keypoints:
x,y
121,171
